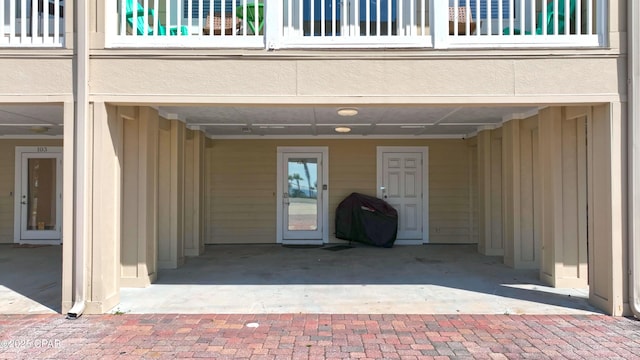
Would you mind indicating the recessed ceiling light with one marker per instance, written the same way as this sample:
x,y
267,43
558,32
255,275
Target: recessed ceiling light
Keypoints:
x,y
347,112
39,129
342,129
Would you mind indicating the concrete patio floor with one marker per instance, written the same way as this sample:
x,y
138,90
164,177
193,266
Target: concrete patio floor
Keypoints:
x,y
30,279
428,279
263,279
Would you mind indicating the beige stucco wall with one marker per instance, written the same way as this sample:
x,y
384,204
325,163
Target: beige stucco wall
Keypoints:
x,y
426,80
241,186
7,181
39,75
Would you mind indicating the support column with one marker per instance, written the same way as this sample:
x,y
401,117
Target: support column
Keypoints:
x,y
139,229
490,193
564,196
511,191
104,200
171,174
148,184
527,251
68,157
551,164
607,202
193,193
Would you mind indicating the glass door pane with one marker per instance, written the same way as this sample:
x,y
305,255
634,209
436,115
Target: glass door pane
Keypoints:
x,y
302,174
41,194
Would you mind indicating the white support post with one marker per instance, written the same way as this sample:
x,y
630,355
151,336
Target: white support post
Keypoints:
x,y
273,23
440,23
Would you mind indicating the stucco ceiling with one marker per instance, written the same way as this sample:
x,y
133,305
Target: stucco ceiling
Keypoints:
x,y
232,121
289,121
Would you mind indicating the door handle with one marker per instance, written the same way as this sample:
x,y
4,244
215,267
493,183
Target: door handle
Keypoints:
x,y
23,202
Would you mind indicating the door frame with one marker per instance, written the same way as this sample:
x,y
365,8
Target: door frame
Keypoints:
x,y
18,178
324,150
424,150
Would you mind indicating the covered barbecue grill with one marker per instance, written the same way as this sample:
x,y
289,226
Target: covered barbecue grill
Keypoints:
x,y
367,220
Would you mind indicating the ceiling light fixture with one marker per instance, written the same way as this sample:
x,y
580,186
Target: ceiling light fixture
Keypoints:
x,y
348,112
343,129
39,129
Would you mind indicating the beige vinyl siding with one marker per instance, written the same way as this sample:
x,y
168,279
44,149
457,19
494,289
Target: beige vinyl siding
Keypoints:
x,y
449,192
242,179
241,186
7,188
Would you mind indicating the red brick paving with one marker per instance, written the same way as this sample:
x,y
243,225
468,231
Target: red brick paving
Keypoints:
x,y
306,336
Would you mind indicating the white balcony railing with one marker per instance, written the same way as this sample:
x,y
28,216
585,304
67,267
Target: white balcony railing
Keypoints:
x,y
356,23
526,23
32,23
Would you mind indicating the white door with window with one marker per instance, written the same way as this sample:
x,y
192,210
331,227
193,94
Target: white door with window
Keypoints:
x,y
38,195
403,183
302,195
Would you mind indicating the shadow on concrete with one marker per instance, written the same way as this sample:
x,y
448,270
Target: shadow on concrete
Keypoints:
x,y
456,276
30,279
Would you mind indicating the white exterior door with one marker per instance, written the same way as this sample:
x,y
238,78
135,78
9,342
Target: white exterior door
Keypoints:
x,y
302,196
402,182
38,195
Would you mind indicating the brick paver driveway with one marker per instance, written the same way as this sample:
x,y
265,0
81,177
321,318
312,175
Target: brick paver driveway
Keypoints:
x,y
307,336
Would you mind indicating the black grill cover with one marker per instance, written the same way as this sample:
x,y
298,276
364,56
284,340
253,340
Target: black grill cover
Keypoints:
x,y
367,220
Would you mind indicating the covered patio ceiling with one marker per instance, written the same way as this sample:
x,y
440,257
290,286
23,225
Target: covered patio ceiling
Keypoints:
x,y
245,121
31,120
322,121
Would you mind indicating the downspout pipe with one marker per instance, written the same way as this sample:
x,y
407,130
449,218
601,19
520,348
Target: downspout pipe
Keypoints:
x,y
633,155
80,141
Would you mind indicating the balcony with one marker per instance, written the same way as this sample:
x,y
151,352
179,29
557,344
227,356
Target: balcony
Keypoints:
x,y
32,23
281,24
320,23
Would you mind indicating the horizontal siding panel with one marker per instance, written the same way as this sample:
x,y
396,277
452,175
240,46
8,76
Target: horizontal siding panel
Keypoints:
x,y
445,223
6,219
448,239
255,225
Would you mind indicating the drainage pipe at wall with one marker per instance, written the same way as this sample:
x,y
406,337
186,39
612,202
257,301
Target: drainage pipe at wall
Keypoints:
x,y
81,154
633,38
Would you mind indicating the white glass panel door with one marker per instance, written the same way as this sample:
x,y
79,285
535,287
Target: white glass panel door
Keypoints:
x,y
302,205
39,195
